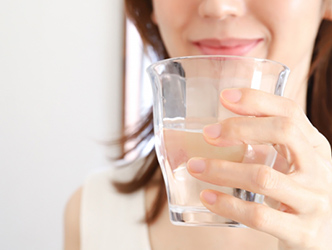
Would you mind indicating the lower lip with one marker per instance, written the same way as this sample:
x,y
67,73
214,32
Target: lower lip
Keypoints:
x,y
228,50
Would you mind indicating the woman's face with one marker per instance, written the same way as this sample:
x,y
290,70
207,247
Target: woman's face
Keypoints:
x,y
281,30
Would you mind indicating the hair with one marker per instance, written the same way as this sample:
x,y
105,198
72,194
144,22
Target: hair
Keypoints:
x,y
319,97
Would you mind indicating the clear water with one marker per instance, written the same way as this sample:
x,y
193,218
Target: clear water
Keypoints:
x,y
177,147
180,140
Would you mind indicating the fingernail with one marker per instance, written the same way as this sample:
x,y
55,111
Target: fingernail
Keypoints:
x,y
212,131
231,95
196,165
209,197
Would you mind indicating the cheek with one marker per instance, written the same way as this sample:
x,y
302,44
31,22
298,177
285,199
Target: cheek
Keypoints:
x,y
170,14
292,28
173,18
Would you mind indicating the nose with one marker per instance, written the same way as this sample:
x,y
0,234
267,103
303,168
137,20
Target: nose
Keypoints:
x,y
221,9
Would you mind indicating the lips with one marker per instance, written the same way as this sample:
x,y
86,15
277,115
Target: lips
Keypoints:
x,y
237,47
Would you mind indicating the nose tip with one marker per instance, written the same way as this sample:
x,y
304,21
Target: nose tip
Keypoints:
x,y
221,9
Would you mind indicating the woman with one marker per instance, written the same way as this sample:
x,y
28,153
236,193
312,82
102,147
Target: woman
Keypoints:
x,y
295,33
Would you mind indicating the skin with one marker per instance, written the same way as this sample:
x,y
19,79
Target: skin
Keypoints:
x,y
301,215
302,191
279,23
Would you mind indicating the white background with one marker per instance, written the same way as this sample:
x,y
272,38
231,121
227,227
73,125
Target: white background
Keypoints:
x,y
60,68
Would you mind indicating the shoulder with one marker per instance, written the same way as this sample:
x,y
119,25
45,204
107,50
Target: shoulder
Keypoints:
x,y
93,187
72,221
98,217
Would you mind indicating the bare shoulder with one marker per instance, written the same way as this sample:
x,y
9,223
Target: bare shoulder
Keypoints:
x,y
72,221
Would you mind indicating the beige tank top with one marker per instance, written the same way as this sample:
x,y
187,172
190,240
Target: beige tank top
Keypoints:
x,y
110,220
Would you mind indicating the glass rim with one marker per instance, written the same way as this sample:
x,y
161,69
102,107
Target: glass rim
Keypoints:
x,y
256,59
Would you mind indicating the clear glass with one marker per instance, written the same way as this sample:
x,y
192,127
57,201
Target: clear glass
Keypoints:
x,y
186,98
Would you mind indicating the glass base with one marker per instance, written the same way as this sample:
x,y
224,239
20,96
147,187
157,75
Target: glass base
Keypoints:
x,y
198,216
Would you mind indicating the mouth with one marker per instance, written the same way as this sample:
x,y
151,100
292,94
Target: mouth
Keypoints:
x,y
236,47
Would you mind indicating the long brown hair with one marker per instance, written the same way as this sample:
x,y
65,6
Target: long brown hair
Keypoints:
x,y
319,108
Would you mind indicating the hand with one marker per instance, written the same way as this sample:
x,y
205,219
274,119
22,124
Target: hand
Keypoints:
x,y
303,190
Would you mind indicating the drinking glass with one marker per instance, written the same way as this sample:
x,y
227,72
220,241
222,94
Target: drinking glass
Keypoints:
x,y
186,94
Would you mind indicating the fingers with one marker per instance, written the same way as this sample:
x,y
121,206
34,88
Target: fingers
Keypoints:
x,y
250,102
251,177
304,194
280,132
261,103
253,215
